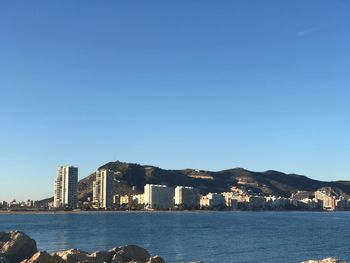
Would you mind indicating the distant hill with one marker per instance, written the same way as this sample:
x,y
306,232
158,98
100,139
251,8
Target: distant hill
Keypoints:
x,y
129,176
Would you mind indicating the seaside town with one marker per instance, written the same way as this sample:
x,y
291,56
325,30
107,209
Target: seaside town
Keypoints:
x,y
163,197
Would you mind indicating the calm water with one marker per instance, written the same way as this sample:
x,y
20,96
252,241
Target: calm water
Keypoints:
x,y
186,236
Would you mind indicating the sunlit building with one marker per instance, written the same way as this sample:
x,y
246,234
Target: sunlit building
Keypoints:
x,y
329,203
158,196
103,188
125,200
231,200
213,200
138,199
186,197
66,186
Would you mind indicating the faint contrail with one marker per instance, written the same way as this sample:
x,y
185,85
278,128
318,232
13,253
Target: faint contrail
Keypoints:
x,y
308,31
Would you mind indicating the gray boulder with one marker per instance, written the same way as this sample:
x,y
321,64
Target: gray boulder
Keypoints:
x,y
117,259
102,256
133,253
78,256
44,257
73,255
16,246
156,259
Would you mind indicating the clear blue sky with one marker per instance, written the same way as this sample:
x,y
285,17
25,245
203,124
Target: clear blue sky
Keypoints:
x,y
201,84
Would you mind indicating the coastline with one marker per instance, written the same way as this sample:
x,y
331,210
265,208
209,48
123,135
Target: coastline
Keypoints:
x,y
43,212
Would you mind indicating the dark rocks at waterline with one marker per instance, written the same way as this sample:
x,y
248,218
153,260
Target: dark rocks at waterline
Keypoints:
x,y
116,255
17,247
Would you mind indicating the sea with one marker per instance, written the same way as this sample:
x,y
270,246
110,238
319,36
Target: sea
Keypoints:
x,y
205,236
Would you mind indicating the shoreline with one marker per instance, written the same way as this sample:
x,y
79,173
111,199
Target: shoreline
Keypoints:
x,y
44,212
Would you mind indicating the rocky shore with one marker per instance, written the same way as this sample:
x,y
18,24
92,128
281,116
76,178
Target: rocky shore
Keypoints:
x,y
326,260
17,247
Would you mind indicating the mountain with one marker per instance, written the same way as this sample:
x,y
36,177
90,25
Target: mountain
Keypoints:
x,y
130,178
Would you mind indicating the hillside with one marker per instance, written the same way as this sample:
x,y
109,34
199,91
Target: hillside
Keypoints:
x,y
128,175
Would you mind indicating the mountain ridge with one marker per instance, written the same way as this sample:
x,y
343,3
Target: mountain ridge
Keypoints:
x,y
130,178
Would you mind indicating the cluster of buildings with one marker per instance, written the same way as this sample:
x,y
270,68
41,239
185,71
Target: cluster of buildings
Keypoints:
x,y
162,197
320,200
66,188
14,204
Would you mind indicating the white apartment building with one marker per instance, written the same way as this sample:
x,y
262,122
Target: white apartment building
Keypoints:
x,y
186,197
103,189
138,199
230,200
213,200
158,196
66,186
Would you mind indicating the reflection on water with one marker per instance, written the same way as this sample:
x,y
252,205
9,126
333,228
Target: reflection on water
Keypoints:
x,y
187,236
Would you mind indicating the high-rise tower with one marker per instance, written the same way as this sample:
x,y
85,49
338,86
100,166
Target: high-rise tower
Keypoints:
x,y
103,188
66,186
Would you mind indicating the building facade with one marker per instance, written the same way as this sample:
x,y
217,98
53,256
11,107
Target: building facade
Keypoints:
x,y
138,199
186,197
103,189
230,200
213,200
158,196
66,187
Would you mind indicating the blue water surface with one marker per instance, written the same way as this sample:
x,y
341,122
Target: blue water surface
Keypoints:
x,y
189,236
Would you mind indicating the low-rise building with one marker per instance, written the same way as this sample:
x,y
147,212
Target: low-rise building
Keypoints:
x,y
30,203
138,199
116,200
230,200
3,205
125,200
309,204
329,203
213,200
256,202
204,202
319,195
298,196
276,202
341,203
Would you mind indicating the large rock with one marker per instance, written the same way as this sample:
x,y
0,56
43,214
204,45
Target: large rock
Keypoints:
x,y
156,259
102,256
44,257
133,253
73,255
326,260
16,246
117,259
